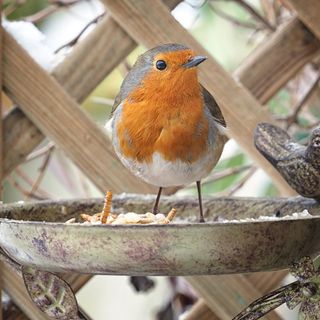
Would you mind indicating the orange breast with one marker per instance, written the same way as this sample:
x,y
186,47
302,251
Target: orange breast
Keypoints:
x,y
164,119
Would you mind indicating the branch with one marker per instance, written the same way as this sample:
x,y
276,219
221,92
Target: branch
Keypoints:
x,y
226,173
255,14
30,182
241,182
293,118
76,38
25,192
42,171
40,152
232,19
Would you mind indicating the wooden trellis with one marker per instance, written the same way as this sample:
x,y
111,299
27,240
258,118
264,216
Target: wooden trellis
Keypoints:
x,y
48,105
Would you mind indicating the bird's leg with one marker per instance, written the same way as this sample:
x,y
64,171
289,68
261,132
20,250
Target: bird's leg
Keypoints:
x,y
155,207
201,219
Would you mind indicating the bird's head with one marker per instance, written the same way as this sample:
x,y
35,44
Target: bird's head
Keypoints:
x,y
164,71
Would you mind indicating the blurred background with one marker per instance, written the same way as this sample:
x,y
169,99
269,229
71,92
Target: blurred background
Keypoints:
x,y
230,31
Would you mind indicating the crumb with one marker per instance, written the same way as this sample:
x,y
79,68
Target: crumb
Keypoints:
x,y
107,217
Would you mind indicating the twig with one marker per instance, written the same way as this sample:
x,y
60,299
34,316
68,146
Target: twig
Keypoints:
x,y
40,152
42,170
25,192
255,14
231,19
269,11
76,39
224,173
293,118
228,172
30,182
239,184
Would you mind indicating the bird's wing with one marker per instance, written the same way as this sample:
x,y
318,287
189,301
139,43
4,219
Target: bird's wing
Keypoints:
x,y
213,107
116,103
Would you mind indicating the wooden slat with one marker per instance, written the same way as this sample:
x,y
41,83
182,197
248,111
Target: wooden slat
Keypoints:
x,y
13,312
261,281
21,137
277,60
76,280
62,120
267,281
153,24
200,311
227,295
79,73
308,12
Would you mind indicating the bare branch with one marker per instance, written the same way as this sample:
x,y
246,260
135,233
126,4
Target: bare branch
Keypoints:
x,y
25,192
42,171
241,182
76,38
255,14
232,19
230,191
226,173
40,152
293,118
21,174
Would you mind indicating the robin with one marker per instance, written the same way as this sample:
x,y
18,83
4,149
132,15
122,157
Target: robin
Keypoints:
x,y
166,127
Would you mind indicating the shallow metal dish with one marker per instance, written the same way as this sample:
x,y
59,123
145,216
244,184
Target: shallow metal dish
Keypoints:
x,y
33,234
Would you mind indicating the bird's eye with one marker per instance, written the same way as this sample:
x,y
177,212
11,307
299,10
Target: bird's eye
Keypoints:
x,y
161,65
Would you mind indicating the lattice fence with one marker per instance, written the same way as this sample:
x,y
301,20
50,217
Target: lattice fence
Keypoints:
x,y
48,105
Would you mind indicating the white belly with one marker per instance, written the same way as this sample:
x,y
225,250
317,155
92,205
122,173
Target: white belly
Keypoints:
x,y
162,173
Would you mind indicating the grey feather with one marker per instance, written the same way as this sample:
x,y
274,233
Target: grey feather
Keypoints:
x,y
213,106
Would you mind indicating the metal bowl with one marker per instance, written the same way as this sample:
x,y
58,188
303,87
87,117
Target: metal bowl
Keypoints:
x,y
34,234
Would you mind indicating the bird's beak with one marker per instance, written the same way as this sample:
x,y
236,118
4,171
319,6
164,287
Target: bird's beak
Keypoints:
x,y
193,62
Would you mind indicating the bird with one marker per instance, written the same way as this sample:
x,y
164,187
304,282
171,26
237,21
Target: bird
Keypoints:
x,y
299,165
166,127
